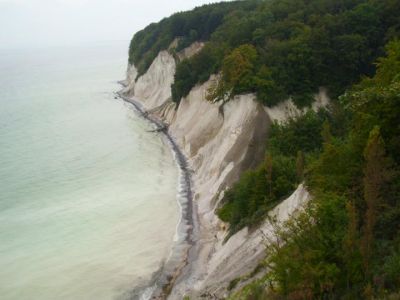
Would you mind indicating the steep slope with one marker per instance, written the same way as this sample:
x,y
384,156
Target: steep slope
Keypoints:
x,y
220,142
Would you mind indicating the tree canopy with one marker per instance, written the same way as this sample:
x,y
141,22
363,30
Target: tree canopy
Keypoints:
x,y
296,46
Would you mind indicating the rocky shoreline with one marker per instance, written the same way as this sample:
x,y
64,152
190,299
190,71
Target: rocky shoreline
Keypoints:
x,y
164,279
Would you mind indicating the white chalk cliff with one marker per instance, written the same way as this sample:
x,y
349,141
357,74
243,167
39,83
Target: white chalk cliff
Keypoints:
x,y
219,143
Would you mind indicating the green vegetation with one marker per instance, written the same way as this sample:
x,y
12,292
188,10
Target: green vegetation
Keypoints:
x,y
291,48
289,147
276,49
190,26
346,244
250,198
206,62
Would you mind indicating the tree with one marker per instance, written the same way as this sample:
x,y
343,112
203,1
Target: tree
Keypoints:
x,y
326,132
300,166
351,249
237,73
375,174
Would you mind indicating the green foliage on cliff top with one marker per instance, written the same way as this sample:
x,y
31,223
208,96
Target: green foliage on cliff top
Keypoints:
x,y
190,26
276,49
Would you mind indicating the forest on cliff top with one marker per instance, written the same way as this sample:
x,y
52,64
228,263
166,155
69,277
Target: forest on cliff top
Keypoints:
x,y
274,48
346,242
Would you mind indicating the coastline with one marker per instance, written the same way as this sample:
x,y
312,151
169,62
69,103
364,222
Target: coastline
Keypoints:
x,y
164,279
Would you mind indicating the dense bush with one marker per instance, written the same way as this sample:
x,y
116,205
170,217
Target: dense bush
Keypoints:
x,y
257,191
205,63
298,134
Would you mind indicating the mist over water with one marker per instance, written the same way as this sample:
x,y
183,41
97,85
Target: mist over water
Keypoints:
x,y
87,195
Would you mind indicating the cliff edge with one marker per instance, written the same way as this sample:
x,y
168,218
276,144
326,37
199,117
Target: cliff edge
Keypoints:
x,y
220,142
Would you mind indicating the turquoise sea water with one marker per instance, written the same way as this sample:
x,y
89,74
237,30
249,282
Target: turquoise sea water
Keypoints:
x,y
87,195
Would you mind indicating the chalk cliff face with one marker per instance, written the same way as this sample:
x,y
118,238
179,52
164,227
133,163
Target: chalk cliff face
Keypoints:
x,y
241,254
220,142
154,87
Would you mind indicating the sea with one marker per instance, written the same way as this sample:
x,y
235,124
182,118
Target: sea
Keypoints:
x,y
88,192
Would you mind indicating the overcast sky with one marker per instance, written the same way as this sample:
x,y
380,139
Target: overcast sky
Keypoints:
x,y
37,23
